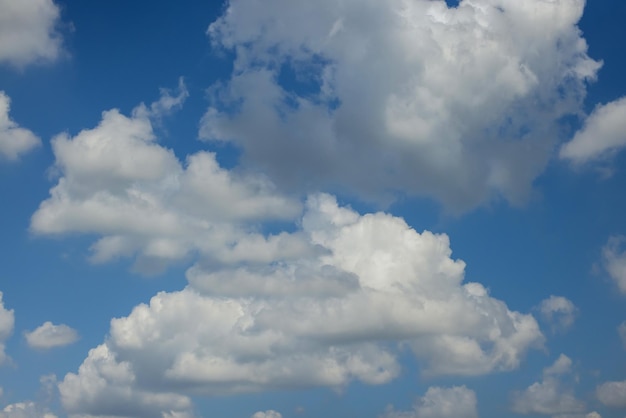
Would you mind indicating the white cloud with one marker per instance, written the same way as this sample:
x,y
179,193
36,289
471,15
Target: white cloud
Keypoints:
x,y
559,311
455,103
118,183
324,318
455,402
603,134
25,410
267,414
105,386
49,335
7,320
612,394
14,140
550,396
614,261
28,31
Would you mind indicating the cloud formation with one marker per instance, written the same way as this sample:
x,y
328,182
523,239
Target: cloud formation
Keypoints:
x,y
7,321
117,182
614,261
48,336
551,396
612,394
602,136
267,414
340,313
456,103
454,402
25,410
14,140
28,31
559,312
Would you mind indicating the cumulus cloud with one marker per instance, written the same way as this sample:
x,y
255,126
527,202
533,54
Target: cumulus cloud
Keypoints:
x,y
603,134
551,396
28,31
25,410
614,261
455,402
558,311
14,140
375,97
338,314
7,320
267,414
117,182
49,335
612,394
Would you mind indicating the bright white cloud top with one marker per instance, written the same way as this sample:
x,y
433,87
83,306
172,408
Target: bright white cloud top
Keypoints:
x,y
323,319
28,31
14,140
116,181
49,335
459,104
25,410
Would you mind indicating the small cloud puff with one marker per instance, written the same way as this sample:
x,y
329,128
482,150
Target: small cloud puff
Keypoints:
x,y
267,414
14,140
49,335
559,312
603,134
455,402
614,261
612,394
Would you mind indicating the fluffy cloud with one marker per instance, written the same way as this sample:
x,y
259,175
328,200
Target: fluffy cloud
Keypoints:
x,y
107,387
7,320
335,315
28,31
375,97
116,181
550,397
14,140
603,134
25,410
559,311
612,394
455,402
49,335
267,414
614,261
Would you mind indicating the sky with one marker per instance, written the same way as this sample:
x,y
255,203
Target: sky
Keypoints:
x,y
295,209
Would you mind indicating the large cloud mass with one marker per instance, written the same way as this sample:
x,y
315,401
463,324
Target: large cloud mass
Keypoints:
x,y
28,31
374,97
117,182
339,313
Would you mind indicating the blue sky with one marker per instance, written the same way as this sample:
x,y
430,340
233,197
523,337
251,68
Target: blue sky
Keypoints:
x,y
401,209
